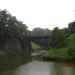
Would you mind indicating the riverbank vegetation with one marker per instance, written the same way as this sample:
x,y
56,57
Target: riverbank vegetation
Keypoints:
x,y
35,46
14,50
63,47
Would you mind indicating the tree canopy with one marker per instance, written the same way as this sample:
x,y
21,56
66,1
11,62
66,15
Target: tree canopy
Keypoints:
x,y
57,38
71,27
10,27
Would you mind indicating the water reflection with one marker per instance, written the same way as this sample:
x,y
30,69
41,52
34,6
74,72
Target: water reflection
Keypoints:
x,y
67,69
35,68
43,68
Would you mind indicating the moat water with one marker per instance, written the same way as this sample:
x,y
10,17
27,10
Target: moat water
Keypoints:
x,y
43,68
39,67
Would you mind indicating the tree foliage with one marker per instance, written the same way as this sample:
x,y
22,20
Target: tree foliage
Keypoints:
x,y
10,27
65,32
71,27
40,32
57,38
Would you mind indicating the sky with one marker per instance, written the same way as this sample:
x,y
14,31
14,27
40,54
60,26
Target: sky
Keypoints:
x,y
41,13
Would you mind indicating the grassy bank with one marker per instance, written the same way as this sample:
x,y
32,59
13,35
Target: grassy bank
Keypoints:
x,y
35,46
66,53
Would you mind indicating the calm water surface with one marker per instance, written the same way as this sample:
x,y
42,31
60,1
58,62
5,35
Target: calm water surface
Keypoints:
x,y
43,68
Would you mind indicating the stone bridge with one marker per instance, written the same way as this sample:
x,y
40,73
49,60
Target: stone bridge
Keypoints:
x,y
26,43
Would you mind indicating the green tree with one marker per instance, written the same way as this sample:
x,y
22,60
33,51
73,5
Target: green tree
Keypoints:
x,y
65,31
57,38
71,27
10,27
21,29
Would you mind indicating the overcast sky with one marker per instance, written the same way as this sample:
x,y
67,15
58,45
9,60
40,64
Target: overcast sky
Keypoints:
x,y
41,13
